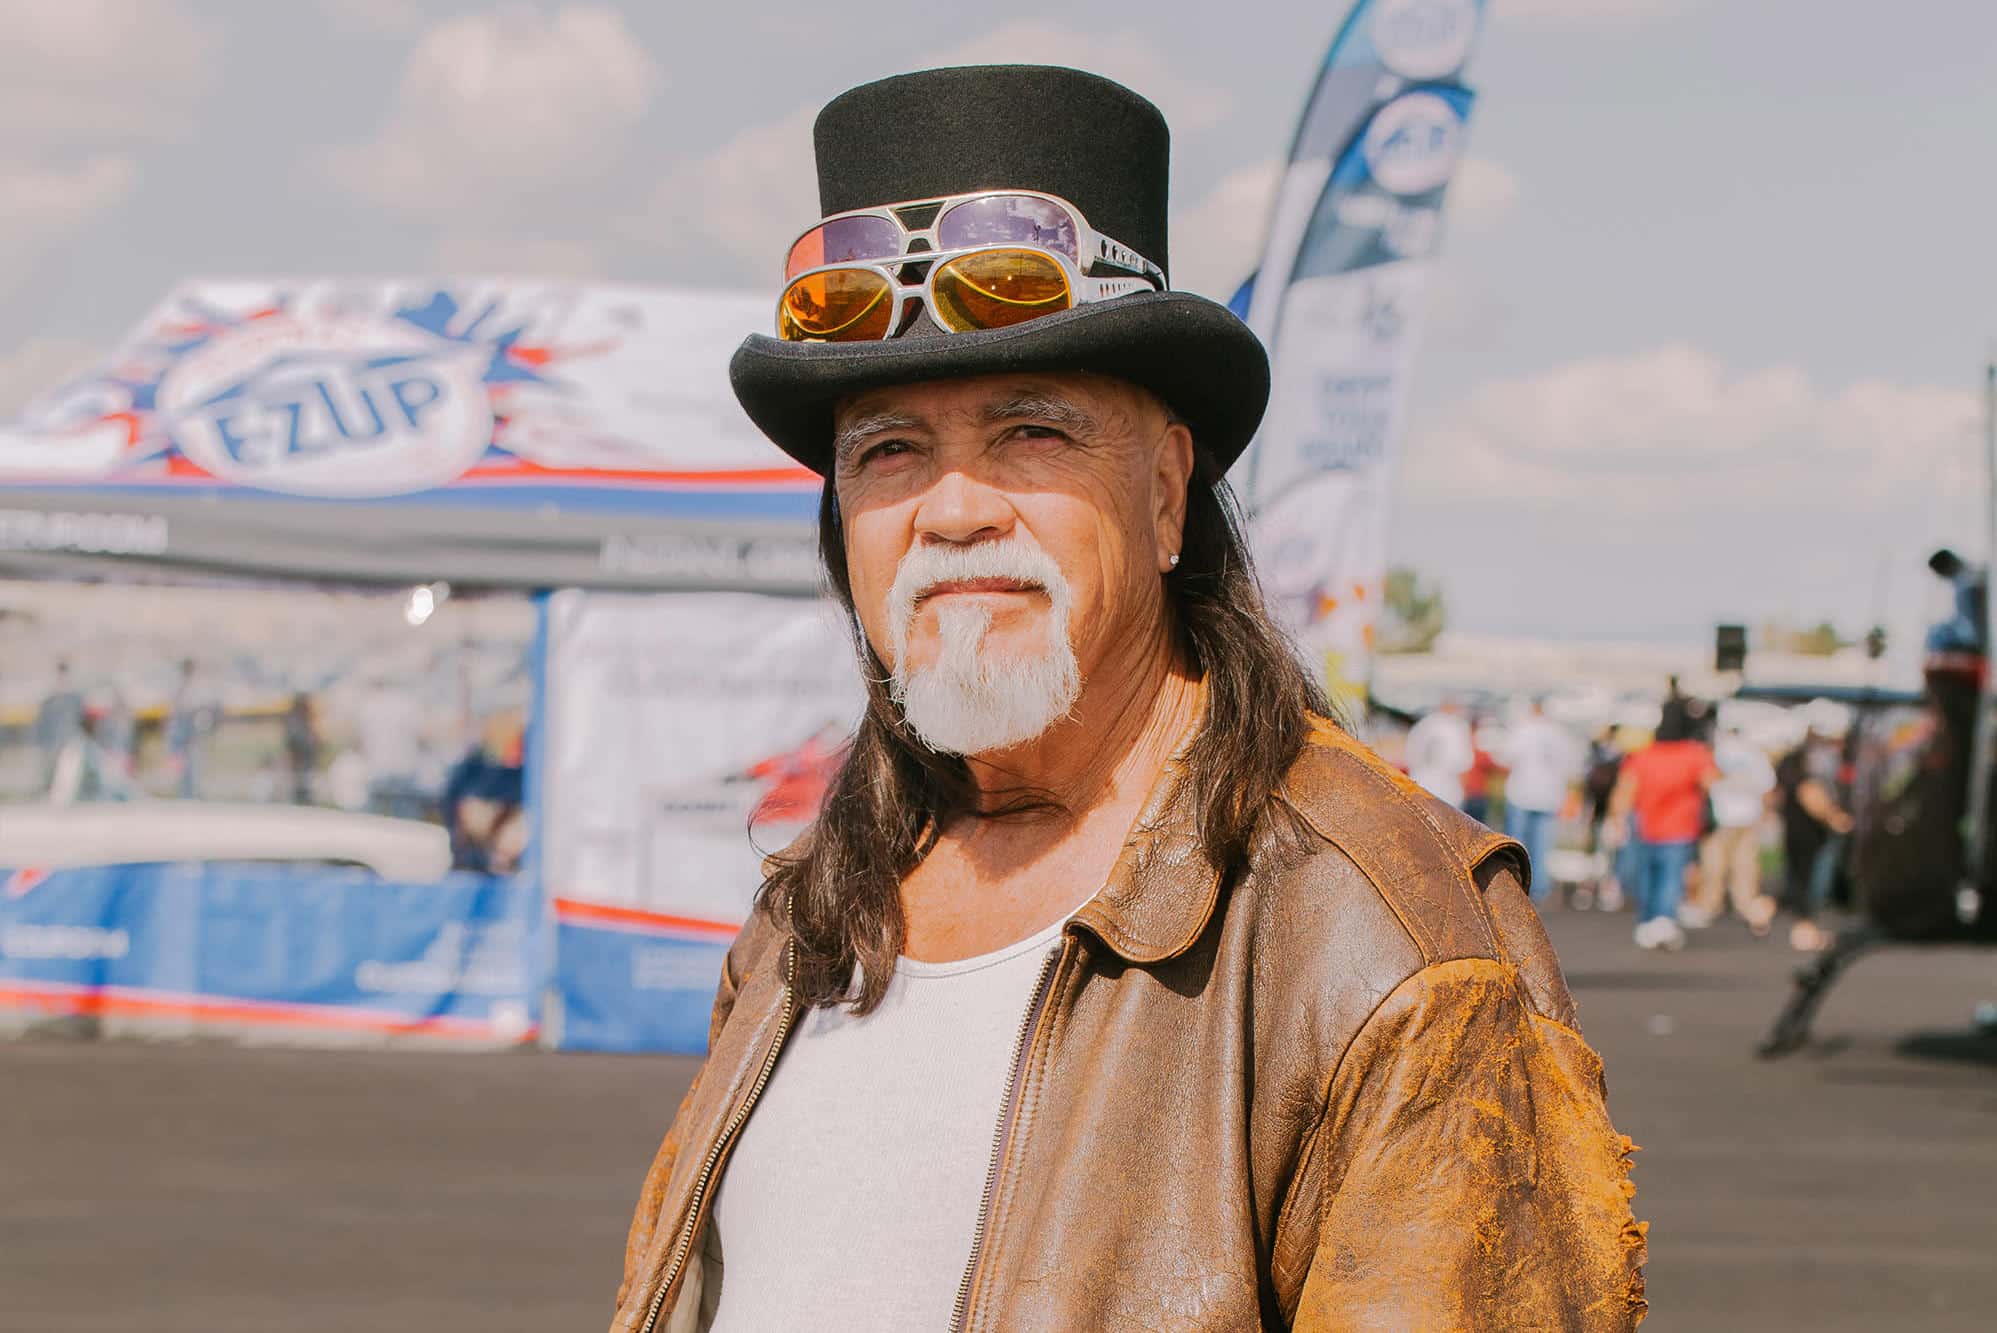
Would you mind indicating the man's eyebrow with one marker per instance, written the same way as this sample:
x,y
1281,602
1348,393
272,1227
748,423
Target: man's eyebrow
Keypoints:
x,y
1042,407
862,428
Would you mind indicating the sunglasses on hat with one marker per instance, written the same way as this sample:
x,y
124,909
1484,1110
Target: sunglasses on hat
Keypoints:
x,y
984,260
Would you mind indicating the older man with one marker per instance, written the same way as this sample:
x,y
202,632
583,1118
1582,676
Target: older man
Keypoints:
x,y
1114,986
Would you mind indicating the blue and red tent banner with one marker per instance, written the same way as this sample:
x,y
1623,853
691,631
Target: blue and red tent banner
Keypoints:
x,y
333,955
634,980
486,433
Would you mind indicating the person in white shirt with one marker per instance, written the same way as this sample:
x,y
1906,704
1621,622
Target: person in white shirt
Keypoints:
x,y
1440,750
1542,759
1730,861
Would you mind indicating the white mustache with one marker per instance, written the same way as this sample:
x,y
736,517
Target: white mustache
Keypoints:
x,y
924,567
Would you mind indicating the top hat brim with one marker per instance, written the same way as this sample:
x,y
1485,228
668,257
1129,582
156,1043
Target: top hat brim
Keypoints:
x,y
1194,354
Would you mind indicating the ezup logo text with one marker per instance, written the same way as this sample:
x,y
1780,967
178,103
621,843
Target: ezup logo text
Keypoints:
x,y
346,407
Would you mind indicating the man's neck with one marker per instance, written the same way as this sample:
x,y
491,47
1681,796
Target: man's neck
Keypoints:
x,y
1132,710
989,883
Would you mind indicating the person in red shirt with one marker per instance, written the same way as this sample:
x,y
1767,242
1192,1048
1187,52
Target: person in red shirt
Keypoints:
x,y
1664,785
1477,779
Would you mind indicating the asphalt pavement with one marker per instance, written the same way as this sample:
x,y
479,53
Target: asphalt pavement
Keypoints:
x,y
212,1188
1850,1186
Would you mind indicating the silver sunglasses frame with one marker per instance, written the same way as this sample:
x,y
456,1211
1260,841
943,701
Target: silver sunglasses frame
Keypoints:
x,y
1086,289
1091,245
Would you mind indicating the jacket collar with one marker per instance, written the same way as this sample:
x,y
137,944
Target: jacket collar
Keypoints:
x,y
1162,891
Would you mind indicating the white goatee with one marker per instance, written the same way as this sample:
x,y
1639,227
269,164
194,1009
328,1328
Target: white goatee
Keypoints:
x,y
967,702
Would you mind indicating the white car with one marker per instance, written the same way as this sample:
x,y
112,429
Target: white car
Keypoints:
x,y
56,837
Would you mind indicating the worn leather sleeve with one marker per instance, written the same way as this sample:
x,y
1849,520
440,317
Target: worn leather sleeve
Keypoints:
x,y
1472,1179
1522,941
645,1217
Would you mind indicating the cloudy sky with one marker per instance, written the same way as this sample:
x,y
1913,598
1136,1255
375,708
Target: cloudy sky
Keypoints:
x,y
1706,343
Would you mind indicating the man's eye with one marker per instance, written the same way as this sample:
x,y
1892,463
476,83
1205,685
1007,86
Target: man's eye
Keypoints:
x,y
885,450
1038,433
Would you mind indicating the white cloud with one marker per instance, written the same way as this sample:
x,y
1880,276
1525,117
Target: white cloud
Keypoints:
x,y
83,69
1218,242
500,107
1672,425
752,195
82,84
1592,13
39,365
1658,492
47,202
749,198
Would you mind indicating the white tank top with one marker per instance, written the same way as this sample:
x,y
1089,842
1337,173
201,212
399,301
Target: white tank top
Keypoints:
x,y
851,1198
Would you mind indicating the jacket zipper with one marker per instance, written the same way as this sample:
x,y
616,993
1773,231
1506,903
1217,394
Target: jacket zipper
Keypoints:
x,y
1008,1114
714,1154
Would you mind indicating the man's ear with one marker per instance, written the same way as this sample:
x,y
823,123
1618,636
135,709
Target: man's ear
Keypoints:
x,y
1172,474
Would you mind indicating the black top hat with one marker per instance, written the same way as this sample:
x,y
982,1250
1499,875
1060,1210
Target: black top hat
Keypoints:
x,y
1032,127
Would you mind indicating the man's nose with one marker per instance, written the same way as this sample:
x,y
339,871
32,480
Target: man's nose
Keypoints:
x,y
961,509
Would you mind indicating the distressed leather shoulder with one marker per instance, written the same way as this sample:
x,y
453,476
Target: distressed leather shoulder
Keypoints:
x,y
1414,1015
1357,881
1424,858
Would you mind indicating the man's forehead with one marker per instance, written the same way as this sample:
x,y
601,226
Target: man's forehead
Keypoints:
x,y
984,396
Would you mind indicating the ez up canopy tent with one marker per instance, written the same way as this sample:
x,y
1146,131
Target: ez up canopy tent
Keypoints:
x,y
496,435
488,433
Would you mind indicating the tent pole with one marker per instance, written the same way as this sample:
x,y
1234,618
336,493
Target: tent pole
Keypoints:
x,y
1977,831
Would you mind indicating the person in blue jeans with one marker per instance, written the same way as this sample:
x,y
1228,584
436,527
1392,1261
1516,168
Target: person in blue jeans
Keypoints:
x,y
1660,886
1542,759
1664,786
1534,830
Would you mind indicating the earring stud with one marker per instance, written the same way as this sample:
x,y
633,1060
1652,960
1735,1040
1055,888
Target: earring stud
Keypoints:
x,y
1173,559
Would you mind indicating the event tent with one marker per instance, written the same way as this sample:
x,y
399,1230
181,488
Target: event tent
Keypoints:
x,y
499,437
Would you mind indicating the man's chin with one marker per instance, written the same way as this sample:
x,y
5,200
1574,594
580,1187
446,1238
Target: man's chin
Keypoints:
x,y
993,660
1004,643
1002,709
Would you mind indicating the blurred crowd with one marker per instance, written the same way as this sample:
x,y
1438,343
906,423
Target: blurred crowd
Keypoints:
x,y
1681,823
89,746
386,757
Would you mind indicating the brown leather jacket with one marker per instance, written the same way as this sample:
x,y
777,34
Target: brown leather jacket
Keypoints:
x,y
1340,1087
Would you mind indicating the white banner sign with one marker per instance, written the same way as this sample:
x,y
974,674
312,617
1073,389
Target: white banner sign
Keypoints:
x,y
1323,483
688,734
1337,300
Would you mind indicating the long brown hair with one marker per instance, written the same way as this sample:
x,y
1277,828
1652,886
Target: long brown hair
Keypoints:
x,y
838,888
